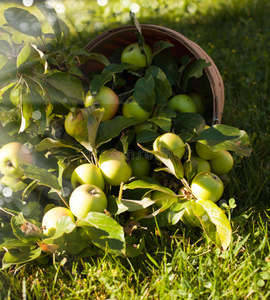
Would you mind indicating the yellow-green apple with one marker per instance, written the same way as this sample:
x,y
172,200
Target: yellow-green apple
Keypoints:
x,y
223,163
198,100
107,99
133,54
162,198
170,141
140,166
207,186
11,156
189,218
74,123
114,167
87,198
131,109
182,103
203,165
87,173
204,151
52,217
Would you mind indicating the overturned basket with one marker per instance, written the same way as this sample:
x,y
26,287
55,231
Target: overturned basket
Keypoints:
x,y
111,40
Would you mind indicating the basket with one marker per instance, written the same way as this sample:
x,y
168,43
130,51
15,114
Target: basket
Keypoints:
x,y
111,40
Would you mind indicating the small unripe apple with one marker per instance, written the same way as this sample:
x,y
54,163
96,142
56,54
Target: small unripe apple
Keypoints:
x,y
170,141
203,165
132,54
74,123
107,99
198,100
189,218
52,216
131,109
114,167
11,156
223,163
207,186
140,166
205,152
182,103
161,198
87,173
87,198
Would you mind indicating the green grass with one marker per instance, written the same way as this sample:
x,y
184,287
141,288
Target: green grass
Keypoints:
x,y
181,264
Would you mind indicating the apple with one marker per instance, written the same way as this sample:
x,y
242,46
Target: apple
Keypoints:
x,y
140,166
11,156
131,109
87,198
223,163
205,151
161,198
195,165
207,186
132,54
87,173
73,123
182,103
170,141
52,217
203,165
107,99
114,167
198,100
189,218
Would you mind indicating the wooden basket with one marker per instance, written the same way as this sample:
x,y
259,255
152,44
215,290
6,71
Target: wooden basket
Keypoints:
x,y
111,40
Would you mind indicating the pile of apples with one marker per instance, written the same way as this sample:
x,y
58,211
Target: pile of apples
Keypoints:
x,y
92,182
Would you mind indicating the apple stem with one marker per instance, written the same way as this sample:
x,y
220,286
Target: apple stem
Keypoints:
x,y
59,194
185,183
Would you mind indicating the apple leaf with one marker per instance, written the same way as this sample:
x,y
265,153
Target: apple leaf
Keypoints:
x,y
20,256
24,55
176,211
65,31
104,232
26,111
163,89
144,92
48,143
98,58
14,243
225,137
42,176
214,222
132,205
146,136
23,21
112,128
160,46
162,122
51,16
194,69
66,83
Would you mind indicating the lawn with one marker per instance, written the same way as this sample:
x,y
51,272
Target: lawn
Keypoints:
x,y
180,263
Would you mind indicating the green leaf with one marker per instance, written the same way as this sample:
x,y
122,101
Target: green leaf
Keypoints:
x,y
225,137
132,205
13,243
163,89
164,123
51,15
133,246
5,48
42,176
188,123
195,69
144,92
20,256
160,46
24,54
66,83
24,230
146,136
23,21
48,143
8,73
104,232
26,111
112,128
75,71
3,60
65,30
4,31
98,58
214,222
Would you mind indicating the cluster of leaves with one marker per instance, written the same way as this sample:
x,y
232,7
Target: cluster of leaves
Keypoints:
x,y
40,83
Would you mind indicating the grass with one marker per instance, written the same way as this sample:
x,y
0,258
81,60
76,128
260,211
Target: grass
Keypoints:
x,y
181,264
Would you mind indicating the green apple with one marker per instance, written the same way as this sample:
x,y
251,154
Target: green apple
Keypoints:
x,y
202,165
11,156
107,99
132,54
207,186
189,218
182,103
52,217
131,109
205,151
74,123
223,163
162,198
195,165
198,100
140,166
87,198
170,141
114,167
87,173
